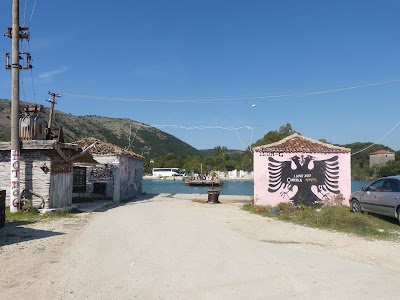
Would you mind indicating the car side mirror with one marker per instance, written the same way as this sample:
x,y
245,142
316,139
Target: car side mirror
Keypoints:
x,y
363,189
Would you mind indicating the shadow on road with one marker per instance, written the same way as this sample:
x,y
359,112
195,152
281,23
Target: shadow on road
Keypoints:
x,y
15,232
140,199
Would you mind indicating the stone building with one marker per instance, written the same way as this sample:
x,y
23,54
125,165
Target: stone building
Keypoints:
x,y
380,157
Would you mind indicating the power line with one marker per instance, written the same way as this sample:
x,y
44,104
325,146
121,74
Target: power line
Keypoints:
x,y
377,140
26,2
230,128
33,9
204,127
238,99
29,49
25,9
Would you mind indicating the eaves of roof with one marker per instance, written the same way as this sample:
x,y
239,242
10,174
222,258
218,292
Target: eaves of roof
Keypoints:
x,y
298,143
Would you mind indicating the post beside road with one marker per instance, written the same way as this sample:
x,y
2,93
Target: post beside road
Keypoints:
x,y
15,147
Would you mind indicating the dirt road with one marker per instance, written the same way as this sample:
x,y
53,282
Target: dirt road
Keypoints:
x,y
173,248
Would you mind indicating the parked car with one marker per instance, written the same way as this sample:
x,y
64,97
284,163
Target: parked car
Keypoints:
x,y
380,197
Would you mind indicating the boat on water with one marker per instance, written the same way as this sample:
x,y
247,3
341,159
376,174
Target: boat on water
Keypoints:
x,y
200,182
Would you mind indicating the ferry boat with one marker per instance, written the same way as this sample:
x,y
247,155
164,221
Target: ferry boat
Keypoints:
x,y
201,182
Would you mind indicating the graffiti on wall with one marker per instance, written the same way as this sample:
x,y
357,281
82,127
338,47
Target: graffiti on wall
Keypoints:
x,y
61,167
304,180
15,180
137,180
131,177
101,174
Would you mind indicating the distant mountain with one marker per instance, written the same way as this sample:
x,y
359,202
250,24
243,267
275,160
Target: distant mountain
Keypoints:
x,y
146,140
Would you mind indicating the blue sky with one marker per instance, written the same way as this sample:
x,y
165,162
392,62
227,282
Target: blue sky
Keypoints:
x,y
329,68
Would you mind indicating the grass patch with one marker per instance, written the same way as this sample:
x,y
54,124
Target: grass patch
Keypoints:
x,y
32,215
335,218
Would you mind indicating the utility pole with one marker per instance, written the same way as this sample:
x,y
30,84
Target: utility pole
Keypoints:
x,y
15,33
52,101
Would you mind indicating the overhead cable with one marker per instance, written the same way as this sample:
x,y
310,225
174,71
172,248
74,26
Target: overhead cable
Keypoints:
x,y
377,140
237,99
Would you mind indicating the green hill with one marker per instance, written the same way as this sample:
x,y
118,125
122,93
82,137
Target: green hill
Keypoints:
x,y
145,139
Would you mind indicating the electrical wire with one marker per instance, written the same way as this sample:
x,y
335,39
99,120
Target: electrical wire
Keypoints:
x,y
130,139
204,127
32,78
26,2
240,140
33,9
22,85
214,127
238,99
377,140
29,50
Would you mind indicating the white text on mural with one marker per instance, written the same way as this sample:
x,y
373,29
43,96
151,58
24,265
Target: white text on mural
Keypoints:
x,y
302,178
273,153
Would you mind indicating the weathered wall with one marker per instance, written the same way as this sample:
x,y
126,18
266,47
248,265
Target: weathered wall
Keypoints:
x,y
105,173
122,176
35,174
378,159
61,183
300,177
44,173
131,171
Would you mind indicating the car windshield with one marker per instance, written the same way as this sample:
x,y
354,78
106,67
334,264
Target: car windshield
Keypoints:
x,y
376,186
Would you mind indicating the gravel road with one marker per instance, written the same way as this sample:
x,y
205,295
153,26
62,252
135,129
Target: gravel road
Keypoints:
x,y
169,247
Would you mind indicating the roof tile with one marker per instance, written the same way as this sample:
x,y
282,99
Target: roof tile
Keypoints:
x,y
104,148
298,143
382,152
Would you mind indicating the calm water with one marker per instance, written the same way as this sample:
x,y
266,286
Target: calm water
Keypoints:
x,y
231,187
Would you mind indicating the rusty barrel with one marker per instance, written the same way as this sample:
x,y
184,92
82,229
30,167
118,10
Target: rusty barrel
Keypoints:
x,y
2,207
213,196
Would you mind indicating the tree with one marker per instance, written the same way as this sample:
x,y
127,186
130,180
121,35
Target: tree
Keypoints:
x,y
286,129
390,169
275,136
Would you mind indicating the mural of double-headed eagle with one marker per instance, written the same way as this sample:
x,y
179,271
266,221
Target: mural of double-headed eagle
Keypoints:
x,y
315,179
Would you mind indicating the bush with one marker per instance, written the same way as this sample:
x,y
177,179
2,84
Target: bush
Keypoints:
x,y
331,216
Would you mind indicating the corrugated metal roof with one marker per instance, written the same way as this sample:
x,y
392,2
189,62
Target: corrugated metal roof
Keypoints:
x,y
298,143
382,152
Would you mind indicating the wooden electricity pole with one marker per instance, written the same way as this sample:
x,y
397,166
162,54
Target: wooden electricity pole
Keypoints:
x,y
52,101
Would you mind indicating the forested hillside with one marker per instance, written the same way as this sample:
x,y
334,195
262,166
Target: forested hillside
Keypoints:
x,y
143,138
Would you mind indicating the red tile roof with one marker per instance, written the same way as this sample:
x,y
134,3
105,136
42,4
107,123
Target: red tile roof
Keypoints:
x,y
381,152
298,143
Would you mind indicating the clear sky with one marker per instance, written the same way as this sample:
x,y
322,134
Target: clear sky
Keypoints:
x,y
329,68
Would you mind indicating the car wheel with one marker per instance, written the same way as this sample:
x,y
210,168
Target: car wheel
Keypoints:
x,y
398,215
355,206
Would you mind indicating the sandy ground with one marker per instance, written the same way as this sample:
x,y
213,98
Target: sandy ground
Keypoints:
x,y
170,247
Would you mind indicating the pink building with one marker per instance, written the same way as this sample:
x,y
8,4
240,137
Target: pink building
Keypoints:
x,y
301,170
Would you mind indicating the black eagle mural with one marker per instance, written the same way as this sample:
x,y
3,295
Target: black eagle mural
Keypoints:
x,y
304,173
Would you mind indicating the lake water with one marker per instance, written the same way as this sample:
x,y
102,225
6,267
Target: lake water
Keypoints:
x,y
230,187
